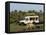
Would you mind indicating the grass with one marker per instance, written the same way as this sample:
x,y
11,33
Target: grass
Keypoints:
x,y
18,28
15,27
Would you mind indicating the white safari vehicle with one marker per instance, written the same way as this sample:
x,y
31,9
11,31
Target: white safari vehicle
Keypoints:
x,y
30,19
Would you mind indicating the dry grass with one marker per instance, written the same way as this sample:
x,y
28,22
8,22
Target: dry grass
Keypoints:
x,y
30,26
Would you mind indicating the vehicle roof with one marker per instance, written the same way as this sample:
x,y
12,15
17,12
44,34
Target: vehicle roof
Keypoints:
x,y
31,16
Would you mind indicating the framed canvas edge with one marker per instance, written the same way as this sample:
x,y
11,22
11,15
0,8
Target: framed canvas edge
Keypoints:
x,y
7,10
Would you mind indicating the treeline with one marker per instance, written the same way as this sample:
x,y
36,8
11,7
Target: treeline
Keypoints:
x,y
16,16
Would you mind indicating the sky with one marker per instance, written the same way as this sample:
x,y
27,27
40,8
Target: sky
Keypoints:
x,y
25,7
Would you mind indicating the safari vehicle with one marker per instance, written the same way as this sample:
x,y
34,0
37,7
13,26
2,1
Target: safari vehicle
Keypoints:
x,y
30,19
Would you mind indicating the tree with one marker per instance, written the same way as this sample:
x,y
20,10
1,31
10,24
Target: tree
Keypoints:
x,y
15,11
20,11
29,11
33,11
40,11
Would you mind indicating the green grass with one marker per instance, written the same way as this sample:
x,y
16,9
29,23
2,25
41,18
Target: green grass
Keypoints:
x,y
17,28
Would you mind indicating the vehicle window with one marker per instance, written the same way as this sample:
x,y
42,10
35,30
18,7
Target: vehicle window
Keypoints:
x,y
36,18
31,18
